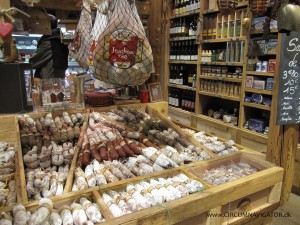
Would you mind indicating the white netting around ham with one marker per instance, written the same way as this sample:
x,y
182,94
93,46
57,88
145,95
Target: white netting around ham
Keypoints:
x,y
82,39
123,55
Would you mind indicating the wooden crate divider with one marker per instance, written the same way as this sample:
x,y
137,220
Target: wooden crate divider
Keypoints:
x,y
69,181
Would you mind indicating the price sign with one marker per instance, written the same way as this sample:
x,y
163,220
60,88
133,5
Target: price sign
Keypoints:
x,y
288,101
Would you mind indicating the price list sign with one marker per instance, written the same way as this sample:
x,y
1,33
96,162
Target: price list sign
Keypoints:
x,y
288,101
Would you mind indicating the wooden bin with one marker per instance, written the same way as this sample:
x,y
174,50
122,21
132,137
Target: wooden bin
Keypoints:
x,y
172,212
69,198
241,198
144,107
9,134
21,178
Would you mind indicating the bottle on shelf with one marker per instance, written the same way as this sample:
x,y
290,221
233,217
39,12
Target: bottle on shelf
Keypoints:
x,y
176,7
183,101
181,75
176,96
190,79
193,100
171,97
171,57
178,11
194,79
183,6
188,5
197,4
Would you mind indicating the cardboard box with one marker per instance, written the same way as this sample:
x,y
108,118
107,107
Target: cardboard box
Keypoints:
x,y
249,81
271,65
256,125
258,23
270,84
259,84
271,46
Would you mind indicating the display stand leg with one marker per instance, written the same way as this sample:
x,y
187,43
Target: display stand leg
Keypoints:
x,y
290,141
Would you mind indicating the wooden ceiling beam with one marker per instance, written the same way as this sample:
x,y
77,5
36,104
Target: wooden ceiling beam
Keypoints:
x,y
75,5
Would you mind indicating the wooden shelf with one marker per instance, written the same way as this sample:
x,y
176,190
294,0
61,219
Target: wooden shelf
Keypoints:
x,y
251,132
190,13
219,121
223,63
260,73
261,32
237,80
224,39
181,110
183,38
183,62
184,87
258,106
240,5
263,92
220,96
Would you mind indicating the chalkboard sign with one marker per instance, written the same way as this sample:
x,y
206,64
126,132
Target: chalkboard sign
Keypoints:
x,y
288,101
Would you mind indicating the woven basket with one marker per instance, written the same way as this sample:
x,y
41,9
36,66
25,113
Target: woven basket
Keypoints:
x,y
227,6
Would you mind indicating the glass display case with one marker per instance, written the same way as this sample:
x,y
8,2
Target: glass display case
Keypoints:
x,y
26,45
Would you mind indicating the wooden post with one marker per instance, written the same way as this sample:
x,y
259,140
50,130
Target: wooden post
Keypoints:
x,y
290,141
4,4
274,148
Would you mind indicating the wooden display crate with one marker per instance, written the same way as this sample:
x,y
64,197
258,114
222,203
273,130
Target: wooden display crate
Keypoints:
x,y
69,198
144,107
258,192
21,177
159,214
9,134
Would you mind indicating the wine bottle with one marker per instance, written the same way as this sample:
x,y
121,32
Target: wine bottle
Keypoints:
x,y
193,104
190,79
177,7
181,75
170,97
178,51
194,79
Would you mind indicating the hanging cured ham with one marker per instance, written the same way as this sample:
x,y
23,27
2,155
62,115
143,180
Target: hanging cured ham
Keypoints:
x,y
82,38
123,55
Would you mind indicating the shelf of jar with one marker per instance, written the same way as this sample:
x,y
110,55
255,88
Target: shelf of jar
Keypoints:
x,y
183,62
224,39
223,63
184,87
190,13
209,11
183,38
267,74
261,31
237,80
258,106
181,110
258,91
232,98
